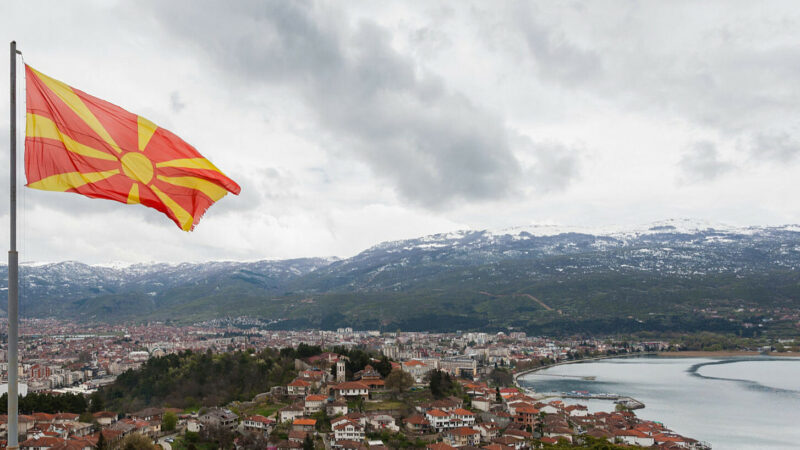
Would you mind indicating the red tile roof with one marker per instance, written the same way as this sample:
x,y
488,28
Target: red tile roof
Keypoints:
x,y
310,422
438,413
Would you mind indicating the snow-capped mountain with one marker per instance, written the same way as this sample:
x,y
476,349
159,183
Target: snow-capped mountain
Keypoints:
x,y
680,247
474,260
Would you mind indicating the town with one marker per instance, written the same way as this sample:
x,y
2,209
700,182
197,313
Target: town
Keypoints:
x,y
416,390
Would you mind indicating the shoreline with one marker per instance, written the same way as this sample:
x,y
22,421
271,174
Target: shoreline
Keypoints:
x,y
723,353
683,354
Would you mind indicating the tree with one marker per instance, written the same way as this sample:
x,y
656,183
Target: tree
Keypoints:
x,y
136,441
384,367
101,442
96,402
441,384
497,397
223,436
308,444
252,440
399,381
86,417
169,421
501,377
323,421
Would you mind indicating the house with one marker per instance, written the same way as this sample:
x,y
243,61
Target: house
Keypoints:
x,y
291,412
258,424
368,373
462,436
193,425
558,432
550,408
634,437
43,417
298,387
41,443
378,422
105,417
357,417
508,441
577,410
298,436
462,415
303,424
148,414
488,430
526,415
458,417
417,369
438,419
482,403
123,426
347,430
314,403
336,408
417,423
218,417
110,436
518,434
350,390
315,376
66,417
374,385
80,429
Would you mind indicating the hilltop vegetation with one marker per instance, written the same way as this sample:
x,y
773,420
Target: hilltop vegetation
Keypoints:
x,y
191,379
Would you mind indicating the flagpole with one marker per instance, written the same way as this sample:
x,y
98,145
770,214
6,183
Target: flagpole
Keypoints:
x,y
13,269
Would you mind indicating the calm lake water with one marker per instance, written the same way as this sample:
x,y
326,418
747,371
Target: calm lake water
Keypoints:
x,y
731,403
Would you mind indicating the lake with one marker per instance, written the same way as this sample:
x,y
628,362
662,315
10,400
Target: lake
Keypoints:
x,y
731,402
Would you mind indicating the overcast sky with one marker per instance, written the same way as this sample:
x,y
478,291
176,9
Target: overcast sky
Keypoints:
x,y
351,123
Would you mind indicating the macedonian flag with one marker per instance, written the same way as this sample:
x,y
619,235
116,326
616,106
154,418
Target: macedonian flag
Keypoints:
x,y
78,143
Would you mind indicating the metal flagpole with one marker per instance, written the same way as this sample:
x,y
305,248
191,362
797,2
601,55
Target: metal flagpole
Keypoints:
x,y
13,269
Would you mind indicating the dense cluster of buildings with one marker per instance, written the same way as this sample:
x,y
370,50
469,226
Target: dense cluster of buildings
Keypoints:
x,y
496,418
61,356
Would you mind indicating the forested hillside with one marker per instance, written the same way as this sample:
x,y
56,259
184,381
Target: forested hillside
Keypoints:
x,y
191,379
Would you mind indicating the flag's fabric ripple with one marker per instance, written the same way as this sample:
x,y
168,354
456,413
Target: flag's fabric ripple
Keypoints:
x,y
79,143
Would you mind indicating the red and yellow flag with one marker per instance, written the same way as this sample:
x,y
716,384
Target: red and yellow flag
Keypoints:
x,y
78,143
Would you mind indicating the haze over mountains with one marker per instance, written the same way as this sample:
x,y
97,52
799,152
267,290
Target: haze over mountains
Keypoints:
x,y
539,279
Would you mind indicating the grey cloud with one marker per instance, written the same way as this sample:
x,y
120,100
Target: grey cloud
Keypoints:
x,y
776,147
702,163
176,103
731,71
434,146
556,57
555,165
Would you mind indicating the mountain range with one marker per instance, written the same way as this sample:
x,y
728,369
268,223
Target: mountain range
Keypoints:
x,y
670,275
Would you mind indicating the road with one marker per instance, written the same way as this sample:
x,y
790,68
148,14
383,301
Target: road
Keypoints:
x,y
163,441
529,296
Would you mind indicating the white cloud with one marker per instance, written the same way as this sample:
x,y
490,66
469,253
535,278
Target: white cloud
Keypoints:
x,y
351,123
